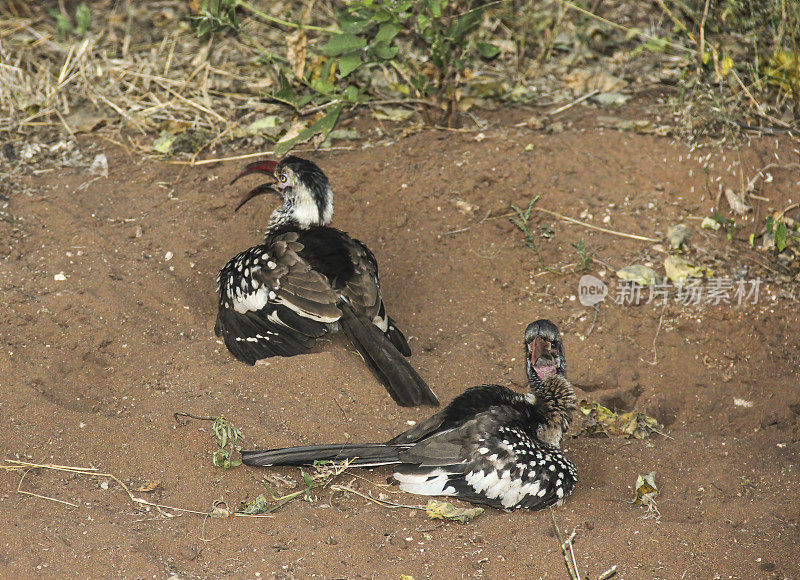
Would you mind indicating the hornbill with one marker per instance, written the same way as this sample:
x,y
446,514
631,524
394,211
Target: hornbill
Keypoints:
x,y
489,446
308,279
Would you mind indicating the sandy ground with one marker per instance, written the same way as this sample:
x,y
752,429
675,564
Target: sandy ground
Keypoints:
x,y
95,364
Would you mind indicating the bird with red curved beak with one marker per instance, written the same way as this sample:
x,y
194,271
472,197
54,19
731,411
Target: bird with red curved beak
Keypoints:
x,y
308,279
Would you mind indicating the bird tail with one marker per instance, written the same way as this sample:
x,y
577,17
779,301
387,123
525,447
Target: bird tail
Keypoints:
x,y
366,455
405,386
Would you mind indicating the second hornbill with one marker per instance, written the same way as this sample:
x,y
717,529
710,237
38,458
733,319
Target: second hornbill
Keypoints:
x,y
308,279
490,445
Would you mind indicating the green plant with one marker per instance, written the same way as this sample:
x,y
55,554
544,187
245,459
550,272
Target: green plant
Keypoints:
x,y
522,221
384,33
586,255
726,223
324,473
778,232
215,16
64,27
227,436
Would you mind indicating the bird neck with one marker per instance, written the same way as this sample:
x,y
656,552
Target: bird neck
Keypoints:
x,y
555,399
304,207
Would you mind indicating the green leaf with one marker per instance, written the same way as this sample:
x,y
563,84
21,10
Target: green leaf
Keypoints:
x,y
769,224
260,505
323,126
351,94
355,21
63,25
349,62
221,457
464,24
780,236
423,22
384,51
285,94
343,43
83,19
488,50
164,143
386,32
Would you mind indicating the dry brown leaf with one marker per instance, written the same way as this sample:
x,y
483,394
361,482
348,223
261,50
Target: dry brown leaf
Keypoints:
x,y
736,201
296,52
149,486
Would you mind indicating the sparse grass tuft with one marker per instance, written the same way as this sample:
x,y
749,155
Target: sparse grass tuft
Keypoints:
x,y
585,254
522,220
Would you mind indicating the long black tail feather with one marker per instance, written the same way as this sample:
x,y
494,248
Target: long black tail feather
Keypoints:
x,y
405,386
363,455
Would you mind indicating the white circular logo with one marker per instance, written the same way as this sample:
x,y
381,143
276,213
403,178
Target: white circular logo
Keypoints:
x,y
591,290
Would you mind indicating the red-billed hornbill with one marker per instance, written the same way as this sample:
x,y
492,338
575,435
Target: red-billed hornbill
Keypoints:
x,y
308,279
490,445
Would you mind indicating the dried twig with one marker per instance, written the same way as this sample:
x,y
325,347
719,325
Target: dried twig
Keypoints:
x,y
584,224
568,552
26,467
655,338
382,502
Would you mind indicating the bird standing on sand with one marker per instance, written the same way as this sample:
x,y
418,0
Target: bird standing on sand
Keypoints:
x,y
308,279
490,445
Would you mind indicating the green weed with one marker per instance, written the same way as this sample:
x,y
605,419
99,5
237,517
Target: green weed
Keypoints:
x,y
585,254
64,26
216,16
227,436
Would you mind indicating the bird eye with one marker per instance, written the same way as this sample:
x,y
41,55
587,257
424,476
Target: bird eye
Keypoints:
x,y
282,178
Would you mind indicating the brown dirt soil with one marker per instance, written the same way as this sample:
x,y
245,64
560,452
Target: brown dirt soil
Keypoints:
x,y
94,366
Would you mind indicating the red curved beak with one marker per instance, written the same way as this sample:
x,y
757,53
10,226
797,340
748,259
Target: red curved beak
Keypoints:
x,y
266,166
261,189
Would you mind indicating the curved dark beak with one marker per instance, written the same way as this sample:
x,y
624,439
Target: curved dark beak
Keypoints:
x,y
261,189
267,166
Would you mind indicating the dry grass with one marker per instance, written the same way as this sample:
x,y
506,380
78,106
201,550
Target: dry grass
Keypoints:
x,y
138,68
141,67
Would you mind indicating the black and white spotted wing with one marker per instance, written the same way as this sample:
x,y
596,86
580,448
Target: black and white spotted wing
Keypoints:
x,y
490,461
484,447
272,302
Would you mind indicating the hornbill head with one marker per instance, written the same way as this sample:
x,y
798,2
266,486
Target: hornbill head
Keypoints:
x,y
544,352
307,195
547,369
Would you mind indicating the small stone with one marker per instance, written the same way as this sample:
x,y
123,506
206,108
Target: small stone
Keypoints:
x,y
60,277
465,207
99,165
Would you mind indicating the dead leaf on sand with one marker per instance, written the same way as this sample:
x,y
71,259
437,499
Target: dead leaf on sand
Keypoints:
x,y
442,510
